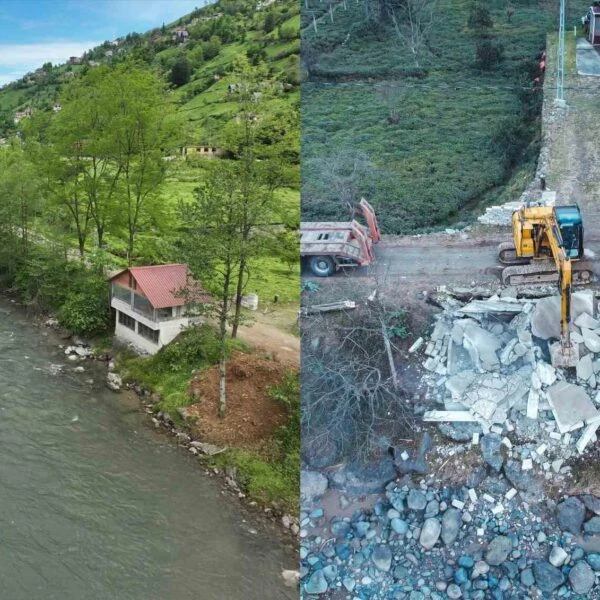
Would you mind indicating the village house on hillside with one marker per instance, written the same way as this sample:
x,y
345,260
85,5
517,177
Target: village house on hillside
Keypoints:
x,y
180,35
75,60
202,150
150,310
22,115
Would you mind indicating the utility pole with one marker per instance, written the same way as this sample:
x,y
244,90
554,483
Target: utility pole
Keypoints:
x,y
560,71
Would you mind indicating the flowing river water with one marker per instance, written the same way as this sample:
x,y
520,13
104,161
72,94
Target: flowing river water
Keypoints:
x,y
95,505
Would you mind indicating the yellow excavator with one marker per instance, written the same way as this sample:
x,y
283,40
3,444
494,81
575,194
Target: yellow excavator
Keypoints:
x,y
548,247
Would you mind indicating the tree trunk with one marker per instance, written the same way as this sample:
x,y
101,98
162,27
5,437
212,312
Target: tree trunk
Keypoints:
x,y
222,391
388,350
238,299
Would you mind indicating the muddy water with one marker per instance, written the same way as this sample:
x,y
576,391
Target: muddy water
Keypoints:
x,y
95,505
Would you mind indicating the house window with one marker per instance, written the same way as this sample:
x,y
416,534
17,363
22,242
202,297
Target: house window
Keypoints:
x,y
142,305
164,313
121,293
149,334
127,321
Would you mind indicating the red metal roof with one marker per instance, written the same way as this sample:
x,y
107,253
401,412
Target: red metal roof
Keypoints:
x,y
162,285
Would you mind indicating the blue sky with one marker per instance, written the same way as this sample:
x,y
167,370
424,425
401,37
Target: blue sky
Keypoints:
x,y
33,32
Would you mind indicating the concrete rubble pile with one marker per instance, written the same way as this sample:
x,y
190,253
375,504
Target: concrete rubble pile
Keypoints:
x,y
500,215
488,365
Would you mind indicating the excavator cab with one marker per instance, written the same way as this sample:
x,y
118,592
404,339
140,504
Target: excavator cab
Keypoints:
x,y
570,224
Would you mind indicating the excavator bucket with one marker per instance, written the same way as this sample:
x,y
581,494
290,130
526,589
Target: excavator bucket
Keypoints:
x,y
564,356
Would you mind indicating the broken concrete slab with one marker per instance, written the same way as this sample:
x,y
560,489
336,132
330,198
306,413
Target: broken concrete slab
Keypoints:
x,y
589,433
570,405
591,340
545,318
545,372
506,306
584,320
533,403
458,384
482,346
449,415
584,368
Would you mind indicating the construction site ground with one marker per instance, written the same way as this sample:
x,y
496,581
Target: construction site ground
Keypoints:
x,y
408,270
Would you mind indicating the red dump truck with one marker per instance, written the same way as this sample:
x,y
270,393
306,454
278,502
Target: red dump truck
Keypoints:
x,y
328,246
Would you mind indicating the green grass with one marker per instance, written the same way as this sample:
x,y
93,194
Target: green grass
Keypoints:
x,y
271,277
464,138
266,482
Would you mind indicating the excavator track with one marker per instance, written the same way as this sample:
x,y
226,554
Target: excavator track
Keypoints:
x,y
544,271
507,255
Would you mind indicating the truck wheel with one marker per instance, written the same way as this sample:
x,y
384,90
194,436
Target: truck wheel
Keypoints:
x,y
322,266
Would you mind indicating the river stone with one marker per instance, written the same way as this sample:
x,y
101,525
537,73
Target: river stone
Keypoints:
x,y
476,476
593,560
451,522
316,584
547,577
490,448
526,482
432,509
558,556
592,526
453,592
570,514
340,529
416,500
498,550
382,557
312,485
399,526
430,533
582,578
591,503
459,432
527,578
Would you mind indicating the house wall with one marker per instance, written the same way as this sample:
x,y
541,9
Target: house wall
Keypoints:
x,y
168,330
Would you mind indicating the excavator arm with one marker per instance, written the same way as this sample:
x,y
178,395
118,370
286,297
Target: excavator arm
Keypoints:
x,y
551,230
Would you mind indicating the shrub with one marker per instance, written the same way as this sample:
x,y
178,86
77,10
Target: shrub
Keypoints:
x,y
489,54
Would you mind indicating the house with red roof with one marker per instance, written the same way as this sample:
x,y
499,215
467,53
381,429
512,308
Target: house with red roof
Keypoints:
x,y
154,303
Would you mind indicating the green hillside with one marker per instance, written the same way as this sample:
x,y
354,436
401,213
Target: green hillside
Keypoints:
x,y
201,73
218,33
429,136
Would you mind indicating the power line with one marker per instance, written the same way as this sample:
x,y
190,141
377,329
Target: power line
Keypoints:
x,y
560,72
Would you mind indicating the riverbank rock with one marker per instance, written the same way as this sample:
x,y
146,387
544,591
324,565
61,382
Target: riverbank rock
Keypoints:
x,y
113,381
498,550
547,577
430,533
312,485
570,515
582,578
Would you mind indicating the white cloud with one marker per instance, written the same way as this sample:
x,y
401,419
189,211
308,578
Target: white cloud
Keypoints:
x,y
18,59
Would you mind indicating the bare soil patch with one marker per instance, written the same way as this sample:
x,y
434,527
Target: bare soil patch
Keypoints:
x,y
252,415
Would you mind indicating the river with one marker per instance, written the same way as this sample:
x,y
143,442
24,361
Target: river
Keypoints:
x,y
94,504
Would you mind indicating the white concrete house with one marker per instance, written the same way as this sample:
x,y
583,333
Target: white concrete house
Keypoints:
x,y
150,310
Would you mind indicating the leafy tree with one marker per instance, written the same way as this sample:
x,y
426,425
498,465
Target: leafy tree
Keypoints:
x,y
489,54
212,47
258,173
211,246
270,22
180,72
480,17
